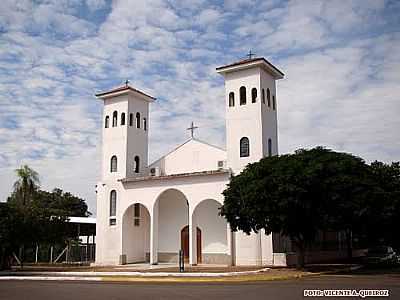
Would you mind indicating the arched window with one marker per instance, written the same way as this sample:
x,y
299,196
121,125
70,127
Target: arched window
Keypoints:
x,y
263,96
231,99
244,147
273,103
269,147
115,119
137,120
269,97
145,124
242,92
107,122
113,164
130,119
137,162
123,119
113,207
253,95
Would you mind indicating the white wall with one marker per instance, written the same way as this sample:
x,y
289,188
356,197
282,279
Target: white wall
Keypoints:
x,y
269,115
196,189
243,120
114,139
213,227
192,156
137,143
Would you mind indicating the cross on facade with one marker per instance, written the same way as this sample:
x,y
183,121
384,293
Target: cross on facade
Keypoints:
x,y
250,54
126,82
192,128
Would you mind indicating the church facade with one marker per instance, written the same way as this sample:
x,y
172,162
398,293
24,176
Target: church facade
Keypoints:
x,y
148,212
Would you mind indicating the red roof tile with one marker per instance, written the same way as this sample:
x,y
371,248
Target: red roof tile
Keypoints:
x,y
123,88
245,61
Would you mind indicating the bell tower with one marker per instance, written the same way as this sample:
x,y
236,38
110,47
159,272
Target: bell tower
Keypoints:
x,y
251,111
125,132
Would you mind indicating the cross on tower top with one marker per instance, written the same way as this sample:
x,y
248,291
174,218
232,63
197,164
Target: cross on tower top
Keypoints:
x,y
250,54
192,128
126,82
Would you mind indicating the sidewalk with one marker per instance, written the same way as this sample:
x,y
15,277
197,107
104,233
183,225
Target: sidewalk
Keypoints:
x,y
165,274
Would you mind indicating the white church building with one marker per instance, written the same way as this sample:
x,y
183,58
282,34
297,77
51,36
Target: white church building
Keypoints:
x,y
148,212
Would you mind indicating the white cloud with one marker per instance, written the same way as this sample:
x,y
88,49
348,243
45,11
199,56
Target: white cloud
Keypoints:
x,y
340,90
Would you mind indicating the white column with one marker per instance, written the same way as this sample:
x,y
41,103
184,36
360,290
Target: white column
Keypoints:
x,y
154,236
192,239
230,244
259,249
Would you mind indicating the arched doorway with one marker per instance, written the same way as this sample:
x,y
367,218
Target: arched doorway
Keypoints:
x,y
135,234
214,245
172,209
185,243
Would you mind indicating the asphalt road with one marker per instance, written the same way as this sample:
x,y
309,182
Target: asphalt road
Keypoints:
x,y
286,289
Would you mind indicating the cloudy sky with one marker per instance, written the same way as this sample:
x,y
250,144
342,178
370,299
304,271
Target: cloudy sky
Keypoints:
x,y
341,59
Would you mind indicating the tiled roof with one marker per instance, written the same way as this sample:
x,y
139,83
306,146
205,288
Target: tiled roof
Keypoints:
x,y
121,89
246,61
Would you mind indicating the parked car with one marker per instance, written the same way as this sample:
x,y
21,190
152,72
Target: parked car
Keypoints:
x,y
381,255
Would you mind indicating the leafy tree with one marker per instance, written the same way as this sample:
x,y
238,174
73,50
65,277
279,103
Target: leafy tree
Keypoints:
x,y
63,203
291,194
382,216
348,186
32,216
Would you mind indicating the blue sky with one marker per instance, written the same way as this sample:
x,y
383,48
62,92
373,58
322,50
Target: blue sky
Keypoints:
x,y
341,90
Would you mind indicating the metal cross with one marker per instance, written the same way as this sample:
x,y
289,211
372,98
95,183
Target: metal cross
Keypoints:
x,y
126,82
192,128
250,54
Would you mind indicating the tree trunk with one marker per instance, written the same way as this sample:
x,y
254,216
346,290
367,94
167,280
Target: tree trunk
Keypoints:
x,y
300,250
349,243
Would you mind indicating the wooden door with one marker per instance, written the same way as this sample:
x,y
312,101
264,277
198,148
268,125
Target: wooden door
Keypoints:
x,y
185,243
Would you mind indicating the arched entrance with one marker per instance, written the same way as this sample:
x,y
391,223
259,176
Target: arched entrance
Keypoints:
x,y
135,234
172,209
185,243
214,245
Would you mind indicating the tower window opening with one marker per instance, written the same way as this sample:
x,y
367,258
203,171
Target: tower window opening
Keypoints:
x,y
269,147
263,96
131,119
137,120
254,95
244,147
123,119
144,124
137,161
231,99
115,119
107,122
273,102
242,92
113,164
269,97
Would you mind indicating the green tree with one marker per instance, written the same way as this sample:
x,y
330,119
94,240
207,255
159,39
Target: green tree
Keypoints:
x,y
26,185
290,194
382,217
32,216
